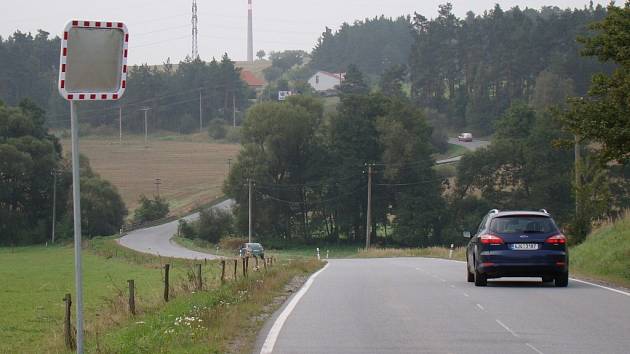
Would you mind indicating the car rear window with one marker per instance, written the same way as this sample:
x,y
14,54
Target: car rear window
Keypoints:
x,y
522,224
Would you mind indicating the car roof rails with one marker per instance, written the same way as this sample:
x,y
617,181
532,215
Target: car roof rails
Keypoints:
x,y
493,211
544,211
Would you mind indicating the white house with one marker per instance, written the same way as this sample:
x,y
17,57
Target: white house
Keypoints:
x,y
325,81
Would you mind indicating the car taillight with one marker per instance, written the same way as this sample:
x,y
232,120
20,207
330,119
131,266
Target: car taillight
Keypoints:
x,y
559,239
490,239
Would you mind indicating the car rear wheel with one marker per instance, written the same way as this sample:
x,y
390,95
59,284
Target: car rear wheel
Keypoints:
x,y
480,279
469,276
562,280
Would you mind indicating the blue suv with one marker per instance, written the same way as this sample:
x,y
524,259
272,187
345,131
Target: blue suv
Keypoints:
x,y
517,244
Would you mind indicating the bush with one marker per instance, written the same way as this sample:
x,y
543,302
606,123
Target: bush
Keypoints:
x,y
215,224
102,209
186,230
234,135
231,243
151,209
216,129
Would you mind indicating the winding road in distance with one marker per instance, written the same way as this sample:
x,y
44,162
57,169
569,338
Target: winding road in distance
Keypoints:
x,y
472,146
157,240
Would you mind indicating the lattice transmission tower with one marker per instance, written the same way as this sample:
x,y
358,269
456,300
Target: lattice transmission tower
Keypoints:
x,y
195,49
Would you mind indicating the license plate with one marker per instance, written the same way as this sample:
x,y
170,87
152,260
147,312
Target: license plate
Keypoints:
x,y
524,246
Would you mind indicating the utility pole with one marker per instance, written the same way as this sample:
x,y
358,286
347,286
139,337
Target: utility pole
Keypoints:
x,y
120,124
249,183
146,109
233,109
578,177
54,206
368,229
157,186
200,114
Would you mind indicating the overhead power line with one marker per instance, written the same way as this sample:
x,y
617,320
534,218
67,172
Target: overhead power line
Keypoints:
x,y
340,196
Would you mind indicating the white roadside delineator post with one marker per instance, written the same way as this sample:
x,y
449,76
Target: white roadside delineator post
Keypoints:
x,y
450,253
318,254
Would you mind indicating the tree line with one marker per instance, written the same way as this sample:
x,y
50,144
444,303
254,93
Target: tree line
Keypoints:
x,y
35,178
310,169
310,174
472,69
172,91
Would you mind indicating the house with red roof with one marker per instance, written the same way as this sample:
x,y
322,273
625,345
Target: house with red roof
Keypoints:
x,y
252,80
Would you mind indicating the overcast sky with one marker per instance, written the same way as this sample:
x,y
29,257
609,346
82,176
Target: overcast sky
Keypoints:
x,y
161,29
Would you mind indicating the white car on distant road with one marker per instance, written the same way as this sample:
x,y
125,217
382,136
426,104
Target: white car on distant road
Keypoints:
x,y
467,137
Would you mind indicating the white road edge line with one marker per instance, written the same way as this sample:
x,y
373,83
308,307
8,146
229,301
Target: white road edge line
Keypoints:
x,y
274,332
577,280
534,348
601,286
507,328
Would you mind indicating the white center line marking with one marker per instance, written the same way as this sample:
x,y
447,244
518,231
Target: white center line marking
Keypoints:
x,y
452,286
507,328
480,307
274,332
534,348
465,294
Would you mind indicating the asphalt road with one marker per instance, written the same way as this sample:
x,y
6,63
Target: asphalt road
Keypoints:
x,y
473,145
157,240
419,305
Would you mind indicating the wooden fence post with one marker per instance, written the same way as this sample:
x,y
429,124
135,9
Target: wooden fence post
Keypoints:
x,y
167,267
222,271
132,297
256,260
67,326
265,263
199,280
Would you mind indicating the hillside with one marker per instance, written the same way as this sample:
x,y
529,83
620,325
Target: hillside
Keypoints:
x,y
191,172
605,254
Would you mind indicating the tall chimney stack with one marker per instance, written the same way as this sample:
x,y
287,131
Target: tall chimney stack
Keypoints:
x,y
250,34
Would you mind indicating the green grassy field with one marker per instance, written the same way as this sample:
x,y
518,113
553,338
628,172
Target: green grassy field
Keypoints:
x,y
605,254
35,280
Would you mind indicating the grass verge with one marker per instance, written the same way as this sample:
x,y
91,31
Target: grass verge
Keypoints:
x,y
430,252
334,252
225,319
605,255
